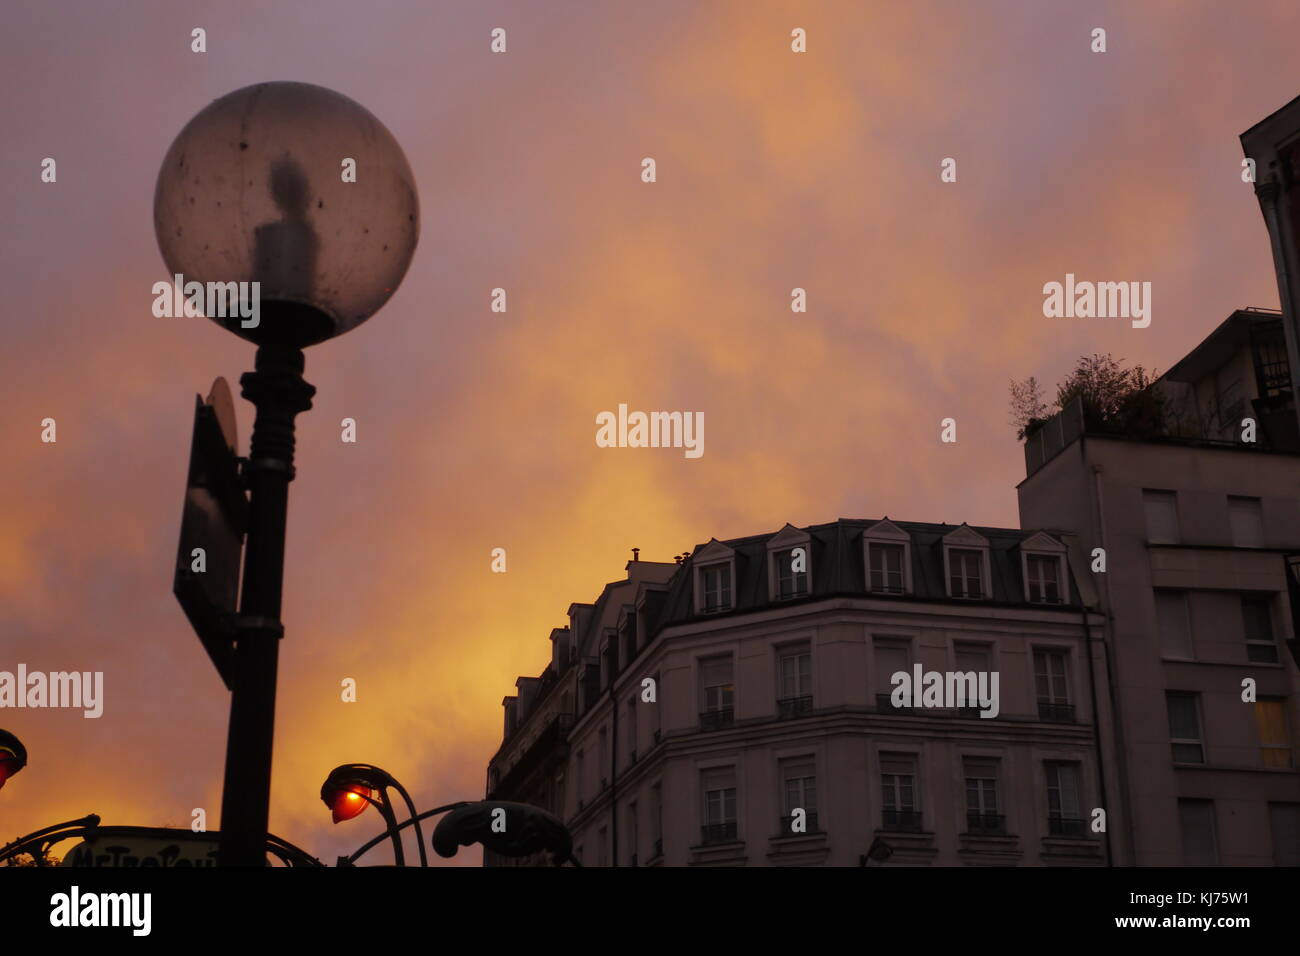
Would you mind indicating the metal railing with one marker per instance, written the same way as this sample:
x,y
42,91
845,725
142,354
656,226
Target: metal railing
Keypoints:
x,y
1066,826
718,832
1056,711
717,719
791,706
988,823
902,820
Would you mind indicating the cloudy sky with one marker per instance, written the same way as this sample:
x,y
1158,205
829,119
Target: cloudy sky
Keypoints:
x,y
476,429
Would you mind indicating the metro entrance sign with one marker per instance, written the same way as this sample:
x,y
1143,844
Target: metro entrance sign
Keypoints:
x,y
213,525
144,846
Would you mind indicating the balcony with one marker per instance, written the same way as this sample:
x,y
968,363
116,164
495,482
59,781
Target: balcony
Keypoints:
x,y
986,824
718,832
1057,712
793,706
785,825
1075,827
970,711
717,719
902,821
884,705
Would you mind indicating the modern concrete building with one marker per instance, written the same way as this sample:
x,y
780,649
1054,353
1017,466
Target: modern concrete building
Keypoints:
x,y
1194,524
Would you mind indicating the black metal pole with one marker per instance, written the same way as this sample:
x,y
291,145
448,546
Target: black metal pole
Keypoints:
x,y
278,391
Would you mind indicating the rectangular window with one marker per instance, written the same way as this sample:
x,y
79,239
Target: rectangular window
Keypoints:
x,y
799,791
1044,578
717,587
1174,624
1196,821
718,690
1185,727
1052,685
719,787
983,810
1257,621
898,792
795,667
789,582
886,571
1274,737
1246,518
1284,820
965,573
1064,805
890,657
1162,516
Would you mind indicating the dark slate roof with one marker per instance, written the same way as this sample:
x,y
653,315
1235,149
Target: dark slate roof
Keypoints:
x,y
838,569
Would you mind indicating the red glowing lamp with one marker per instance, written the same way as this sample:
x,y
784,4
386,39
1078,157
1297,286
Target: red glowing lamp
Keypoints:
x,y
13,756
349,802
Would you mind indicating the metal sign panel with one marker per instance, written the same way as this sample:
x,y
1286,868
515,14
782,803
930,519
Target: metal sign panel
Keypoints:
x,y
215,519
144,847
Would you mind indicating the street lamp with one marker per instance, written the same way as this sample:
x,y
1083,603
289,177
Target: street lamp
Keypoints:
x,y
292,212
348,790
13,756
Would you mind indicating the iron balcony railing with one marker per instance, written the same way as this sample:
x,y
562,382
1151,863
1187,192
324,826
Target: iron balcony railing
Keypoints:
x,y
978,822
785,825
717,719
885,705
1056,711
902,820
791,706
718,832
1066,826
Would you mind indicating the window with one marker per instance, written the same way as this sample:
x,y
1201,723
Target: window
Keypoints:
x,y
885,565
1196,820
1162,516
1274,739
799,784
1064,806
965,573
1284,821
794,676
789,582
631,730
1174,624
719,788
976,659
717,587
983,813
898,792
1257,621
1052,686
1246,518
1185,727
632,833
717,692
891,657
604,758
1044,578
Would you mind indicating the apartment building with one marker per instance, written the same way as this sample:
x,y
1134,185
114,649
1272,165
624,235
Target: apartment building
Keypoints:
x,y
740,711
1194,524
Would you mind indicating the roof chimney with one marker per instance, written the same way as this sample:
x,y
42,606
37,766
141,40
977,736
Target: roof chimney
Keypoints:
x,y
636,554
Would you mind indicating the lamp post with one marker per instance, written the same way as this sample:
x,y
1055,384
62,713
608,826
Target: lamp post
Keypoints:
x,y
289,213
13,756
347,792
505,828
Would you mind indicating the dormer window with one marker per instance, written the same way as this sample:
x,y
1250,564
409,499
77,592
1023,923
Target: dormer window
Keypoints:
x,y
715,578
717,587
791,573
966,560
1043,566
789,564
887,554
